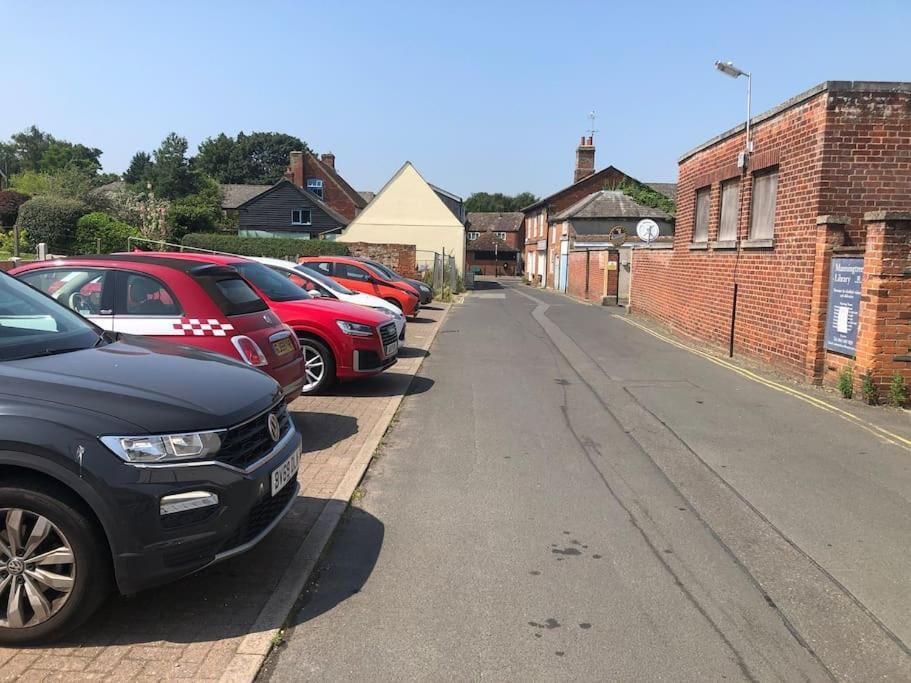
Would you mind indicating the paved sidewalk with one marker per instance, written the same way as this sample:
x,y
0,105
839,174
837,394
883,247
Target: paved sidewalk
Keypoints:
x,y
219,624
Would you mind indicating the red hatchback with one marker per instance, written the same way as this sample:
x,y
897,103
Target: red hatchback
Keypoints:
x,y
338,340
175,300
361,277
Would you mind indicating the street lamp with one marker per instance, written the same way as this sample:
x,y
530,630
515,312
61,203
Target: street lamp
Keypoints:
x,y
729,69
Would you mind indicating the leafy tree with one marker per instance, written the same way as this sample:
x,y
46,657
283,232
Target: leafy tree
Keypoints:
x,y
173,177
198,212
96,226
30,146
140,170
10,201
257,158
51,220
9,162
483,201
60,155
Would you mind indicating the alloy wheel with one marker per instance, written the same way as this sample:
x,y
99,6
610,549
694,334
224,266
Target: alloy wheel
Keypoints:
x,y
314,366
37,568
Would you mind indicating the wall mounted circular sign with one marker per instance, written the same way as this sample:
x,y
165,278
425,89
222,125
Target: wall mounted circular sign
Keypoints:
x,y
647,229
617,235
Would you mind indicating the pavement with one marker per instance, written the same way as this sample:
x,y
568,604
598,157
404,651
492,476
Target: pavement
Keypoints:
x,y
220,623
582,496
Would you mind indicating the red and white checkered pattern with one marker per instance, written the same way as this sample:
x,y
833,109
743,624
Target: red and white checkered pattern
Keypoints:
x,y
203,328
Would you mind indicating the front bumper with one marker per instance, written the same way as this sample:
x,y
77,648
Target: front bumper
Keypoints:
x,y
150,549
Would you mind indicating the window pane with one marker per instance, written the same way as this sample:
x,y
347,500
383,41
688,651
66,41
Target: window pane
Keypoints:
x,y
762,216
147,296
701,230
353,272
730,210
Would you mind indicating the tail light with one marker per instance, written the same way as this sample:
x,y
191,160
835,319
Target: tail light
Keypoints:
x,y
249,351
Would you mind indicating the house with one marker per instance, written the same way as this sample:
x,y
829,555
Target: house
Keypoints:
x,y
589,223
495,242
407,210
793,253
320,177
287,210
543,246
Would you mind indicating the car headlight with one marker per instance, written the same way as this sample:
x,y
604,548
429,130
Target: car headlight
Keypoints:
x,y
425,289
164,447
354,329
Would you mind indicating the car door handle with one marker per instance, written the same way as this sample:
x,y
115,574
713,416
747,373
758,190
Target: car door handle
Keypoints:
x,y
106,312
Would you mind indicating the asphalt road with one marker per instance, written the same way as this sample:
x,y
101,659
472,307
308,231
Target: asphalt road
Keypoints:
x,y
576,499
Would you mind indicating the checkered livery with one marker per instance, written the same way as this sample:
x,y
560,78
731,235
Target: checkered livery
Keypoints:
x,y
203,328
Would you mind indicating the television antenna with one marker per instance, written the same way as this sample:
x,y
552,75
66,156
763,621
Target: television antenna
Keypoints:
x,y
591,129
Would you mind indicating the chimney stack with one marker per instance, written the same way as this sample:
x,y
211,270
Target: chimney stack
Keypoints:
x,y
585,159
295,172
329,159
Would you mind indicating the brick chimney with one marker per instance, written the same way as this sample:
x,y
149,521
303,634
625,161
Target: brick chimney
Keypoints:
x,y
329,159
585,159
295,172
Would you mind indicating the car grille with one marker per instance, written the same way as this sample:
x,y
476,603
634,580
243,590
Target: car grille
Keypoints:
x,y
388,333
261,515
241,446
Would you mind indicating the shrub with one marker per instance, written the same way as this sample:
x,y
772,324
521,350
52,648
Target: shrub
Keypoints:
x,y
10,201
868,389
51,220
112,233
276,247
6,241
846,382
198,212
898,391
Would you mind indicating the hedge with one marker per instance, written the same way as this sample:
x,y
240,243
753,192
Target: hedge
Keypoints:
x,y
113,234
276,247
51,220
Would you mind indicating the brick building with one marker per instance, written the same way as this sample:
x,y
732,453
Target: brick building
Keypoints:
x,y
829,172
494,242
320,177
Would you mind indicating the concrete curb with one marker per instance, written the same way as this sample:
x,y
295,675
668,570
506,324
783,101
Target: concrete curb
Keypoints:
x,y
255,647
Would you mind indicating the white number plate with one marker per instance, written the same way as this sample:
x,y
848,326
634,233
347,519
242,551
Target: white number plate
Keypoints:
x,y
390,349
285,472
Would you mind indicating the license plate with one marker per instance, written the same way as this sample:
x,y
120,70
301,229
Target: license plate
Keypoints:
x,y
390,349
285,472
283,346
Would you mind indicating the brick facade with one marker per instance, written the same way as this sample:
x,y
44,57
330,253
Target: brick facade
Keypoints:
x,y
587,270
337,194
840,149
399,257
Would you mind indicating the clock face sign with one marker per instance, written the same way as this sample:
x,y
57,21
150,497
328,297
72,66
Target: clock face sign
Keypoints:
x,y
647,229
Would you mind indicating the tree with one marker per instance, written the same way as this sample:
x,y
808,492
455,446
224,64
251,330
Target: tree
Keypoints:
x,y
140,170
10,201
61,154
484,202
198,212
30,146
172,177
258,158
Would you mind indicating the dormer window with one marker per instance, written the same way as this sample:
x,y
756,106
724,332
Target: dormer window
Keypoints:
x,y
473,236
300,217
315,185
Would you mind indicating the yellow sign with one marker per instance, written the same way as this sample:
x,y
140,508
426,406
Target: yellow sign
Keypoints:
x,y
612,265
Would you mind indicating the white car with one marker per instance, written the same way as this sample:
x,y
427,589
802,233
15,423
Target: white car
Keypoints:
x,y
319,285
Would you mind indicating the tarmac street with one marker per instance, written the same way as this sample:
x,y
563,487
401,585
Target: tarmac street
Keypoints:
x,y
577,498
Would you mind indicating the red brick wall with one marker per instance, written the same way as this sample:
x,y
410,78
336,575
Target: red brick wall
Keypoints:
x,y
585,279
400,257
837,153
304,166
503,266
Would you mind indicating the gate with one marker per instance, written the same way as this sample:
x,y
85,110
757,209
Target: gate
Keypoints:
x,y
564,265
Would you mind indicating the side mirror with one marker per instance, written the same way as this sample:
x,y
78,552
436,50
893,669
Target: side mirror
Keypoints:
x,y
315,293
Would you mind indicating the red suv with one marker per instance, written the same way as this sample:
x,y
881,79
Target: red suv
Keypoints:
x,y
361,277
181,301
338,340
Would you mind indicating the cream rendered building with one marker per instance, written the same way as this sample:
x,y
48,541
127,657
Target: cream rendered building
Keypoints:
x,y
408,211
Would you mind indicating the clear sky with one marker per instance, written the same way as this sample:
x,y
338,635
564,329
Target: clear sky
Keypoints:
x,y
486,96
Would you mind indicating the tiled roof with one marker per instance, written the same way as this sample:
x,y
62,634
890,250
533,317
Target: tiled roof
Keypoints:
x,y
486,242
669,190
355,196
495,221
235,195
610,204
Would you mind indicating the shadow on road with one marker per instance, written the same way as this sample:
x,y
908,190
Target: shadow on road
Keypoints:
x,y
487,284
323,430
410,352
386,384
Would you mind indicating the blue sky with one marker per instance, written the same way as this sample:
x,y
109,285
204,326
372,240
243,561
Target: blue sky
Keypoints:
x,y
480,96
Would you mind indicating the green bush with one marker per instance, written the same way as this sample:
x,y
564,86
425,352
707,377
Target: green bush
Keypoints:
x,y
113,234
846,382
276,247
868,389
200,212
6,241
898,391
51,220
10,201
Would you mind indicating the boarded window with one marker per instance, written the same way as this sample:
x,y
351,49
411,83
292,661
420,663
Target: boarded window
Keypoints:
x,y
701,231
762,215
730,211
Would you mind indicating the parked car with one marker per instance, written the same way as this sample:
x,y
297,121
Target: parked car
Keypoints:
x,y
338,340
424,291
318,285
178,301
360,277
124,459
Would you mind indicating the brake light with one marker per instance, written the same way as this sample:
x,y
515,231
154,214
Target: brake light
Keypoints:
x,y
249,352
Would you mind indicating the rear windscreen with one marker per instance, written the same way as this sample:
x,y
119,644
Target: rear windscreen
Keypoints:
x,y
233,295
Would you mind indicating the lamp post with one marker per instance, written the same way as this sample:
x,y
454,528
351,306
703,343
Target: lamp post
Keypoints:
x,y
729,69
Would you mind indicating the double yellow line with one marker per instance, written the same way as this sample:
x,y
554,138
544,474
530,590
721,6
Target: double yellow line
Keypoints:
x,y
876,430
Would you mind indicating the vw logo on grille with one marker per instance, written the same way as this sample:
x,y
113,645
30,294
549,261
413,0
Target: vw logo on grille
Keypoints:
x,y
275,430
15,566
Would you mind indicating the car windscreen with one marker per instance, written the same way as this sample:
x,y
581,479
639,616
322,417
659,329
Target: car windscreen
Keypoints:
x,y
273,286
32,324
326,282
384,271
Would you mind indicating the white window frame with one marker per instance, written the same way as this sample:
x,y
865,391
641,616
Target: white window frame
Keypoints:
x,y
472,235
501,235
316,186
301,221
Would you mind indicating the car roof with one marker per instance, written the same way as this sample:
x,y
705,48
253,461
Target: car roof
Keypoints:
x,y
269,261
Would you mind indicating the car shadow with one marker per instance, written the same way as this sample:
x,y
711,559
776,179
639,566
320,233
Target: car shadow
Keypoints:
x,y
421,321
411,352
385,384
320,431
428,307
487,284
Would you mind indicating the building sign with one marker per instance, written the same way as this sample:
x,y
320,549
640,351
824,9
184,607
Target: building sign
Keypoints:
x,y
844,304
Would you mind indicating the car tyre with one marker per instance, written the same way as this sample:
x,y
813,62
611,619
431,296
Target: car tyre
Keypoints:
x,y
72,574
319,366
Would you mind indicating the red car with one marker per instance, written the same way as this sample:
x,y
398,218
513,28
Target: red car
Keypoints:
x,y
361,277
338,340
175,300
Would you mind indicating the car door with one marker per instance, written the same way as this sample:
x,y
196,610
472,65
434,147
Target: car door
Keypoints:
x,y
312,288
88,291
356,278
145,305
